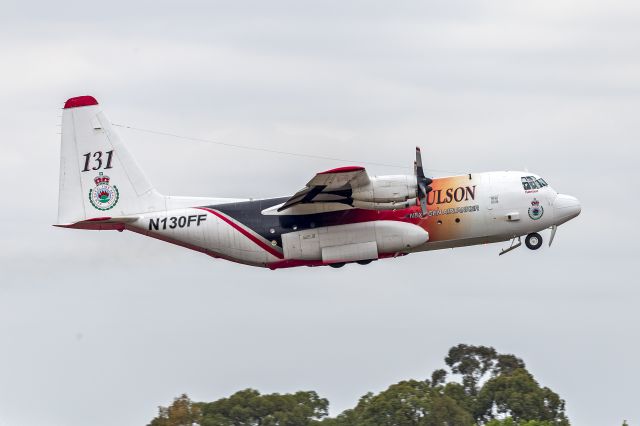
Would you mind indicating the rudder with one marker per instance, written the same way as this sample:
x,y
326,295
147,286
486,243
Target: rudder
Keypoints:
x,y
98,175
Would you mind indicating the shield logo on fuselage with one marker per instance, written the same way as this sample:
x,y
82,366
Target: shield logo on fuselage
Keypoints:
x,y
535,211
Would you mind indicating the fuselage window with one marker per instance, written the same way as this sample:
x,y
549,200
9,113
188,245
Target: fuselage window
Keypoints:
x,y
529,182
532,182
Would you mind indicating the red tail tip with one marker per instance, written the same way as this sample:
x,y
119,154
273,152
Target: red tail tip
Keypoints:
x,y
80,101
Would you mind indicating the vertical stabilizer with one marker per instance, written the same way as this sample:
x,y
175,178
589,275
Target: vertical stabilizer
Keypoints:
x,y
98,176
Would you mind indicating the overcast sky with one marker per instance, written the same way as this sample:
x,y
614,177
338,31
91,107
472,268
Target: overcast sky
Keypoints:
x,y
99,328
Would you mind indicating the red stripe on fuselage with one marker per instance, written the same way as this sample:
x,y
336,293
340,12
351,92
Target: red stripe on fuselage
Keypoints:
x,y
246,233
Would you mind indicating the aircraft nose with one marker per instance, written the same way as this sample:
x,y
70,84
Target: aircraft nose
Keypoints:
x,y
566,208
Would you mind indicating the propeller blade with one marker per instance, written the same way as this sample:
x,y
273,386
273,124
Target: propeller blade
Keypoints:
x,y
422,188
422,196
422,182
423,205
418,163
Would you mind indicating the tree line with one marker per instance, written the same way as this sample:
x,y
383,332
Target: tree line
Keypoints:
x,y
479,386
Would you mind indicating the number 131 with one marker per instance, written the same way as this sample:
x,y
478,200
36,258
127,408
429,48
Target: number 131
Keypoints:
x,y
97,160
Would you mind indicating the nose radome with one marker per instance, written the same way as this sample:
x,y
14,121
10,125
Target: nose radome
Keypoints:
x,y
566,208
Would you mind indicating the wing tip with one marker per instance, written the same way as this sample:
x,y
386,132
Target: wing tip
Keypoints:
x,y
80,101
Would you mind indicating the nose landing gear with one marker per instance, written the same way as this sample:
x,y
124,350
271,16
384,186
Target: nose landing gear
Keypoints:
x,y
533,241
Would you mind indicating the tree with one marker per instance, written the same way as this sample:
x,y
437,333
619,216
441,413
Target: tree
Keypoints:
x,y
245,408
407,403
510,422
519,396
471,362
182,412
438,377
484,388
248,407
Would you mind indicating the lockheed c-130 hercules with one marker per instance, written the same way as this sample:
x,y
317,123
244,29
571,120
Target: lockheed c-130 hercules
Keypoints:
x,y
341,216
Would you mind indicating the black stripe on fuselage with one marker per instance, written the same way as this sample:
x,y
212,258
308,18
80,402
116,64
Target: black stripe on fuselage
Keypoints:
x,y
249,214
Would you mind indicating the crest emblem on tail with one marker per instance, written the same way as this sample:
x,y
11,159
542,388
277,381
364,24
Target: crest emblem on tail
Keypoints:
x,y
103,196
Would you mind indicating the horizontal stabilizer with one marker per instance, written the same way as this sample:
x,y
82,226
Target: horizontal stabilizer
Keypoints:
x,y
101,223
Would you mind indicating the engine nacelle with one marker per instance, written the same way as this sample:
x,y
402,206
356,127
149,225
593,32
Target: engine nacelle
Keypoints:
x,y
353,242
387,189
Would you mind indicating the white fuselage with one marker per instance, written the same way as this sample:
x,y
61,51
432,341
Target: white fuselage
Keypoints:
x,y
485,208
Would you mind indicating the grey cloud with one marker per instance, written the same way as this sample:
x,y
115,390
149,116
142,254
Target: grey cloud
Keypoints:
x,y
93,319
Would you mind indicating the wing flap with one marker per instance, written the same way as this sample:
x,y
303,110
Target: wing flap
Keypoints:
x,y
331,186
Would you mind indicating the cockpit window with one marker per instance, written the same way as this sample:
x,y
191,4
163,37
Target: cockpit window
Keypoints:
x,y
530,183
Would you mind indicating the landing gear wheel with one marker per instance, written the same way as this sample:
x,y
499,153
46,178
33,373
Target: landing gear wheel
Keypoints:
x,y
533,241
337,265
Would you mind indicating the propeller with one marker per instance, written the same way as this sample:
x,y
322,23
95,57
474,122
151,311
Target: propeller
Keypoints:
x,y
422,181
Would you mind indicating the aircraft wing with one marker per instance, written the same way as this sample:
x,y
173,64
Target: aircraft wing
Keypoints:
x,y
331,186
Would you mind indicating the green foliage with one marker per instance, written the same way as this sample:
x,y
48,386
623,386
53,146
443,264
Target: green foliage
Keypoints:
x,y
493,390
245,408
248,407
406,403
518,395
510,422
182,412
438,377
457,392
507,364
471,362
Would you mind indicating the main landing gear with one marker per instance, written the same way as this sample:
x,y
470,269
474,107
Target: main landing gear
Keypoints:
x,y
359,262
533,241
